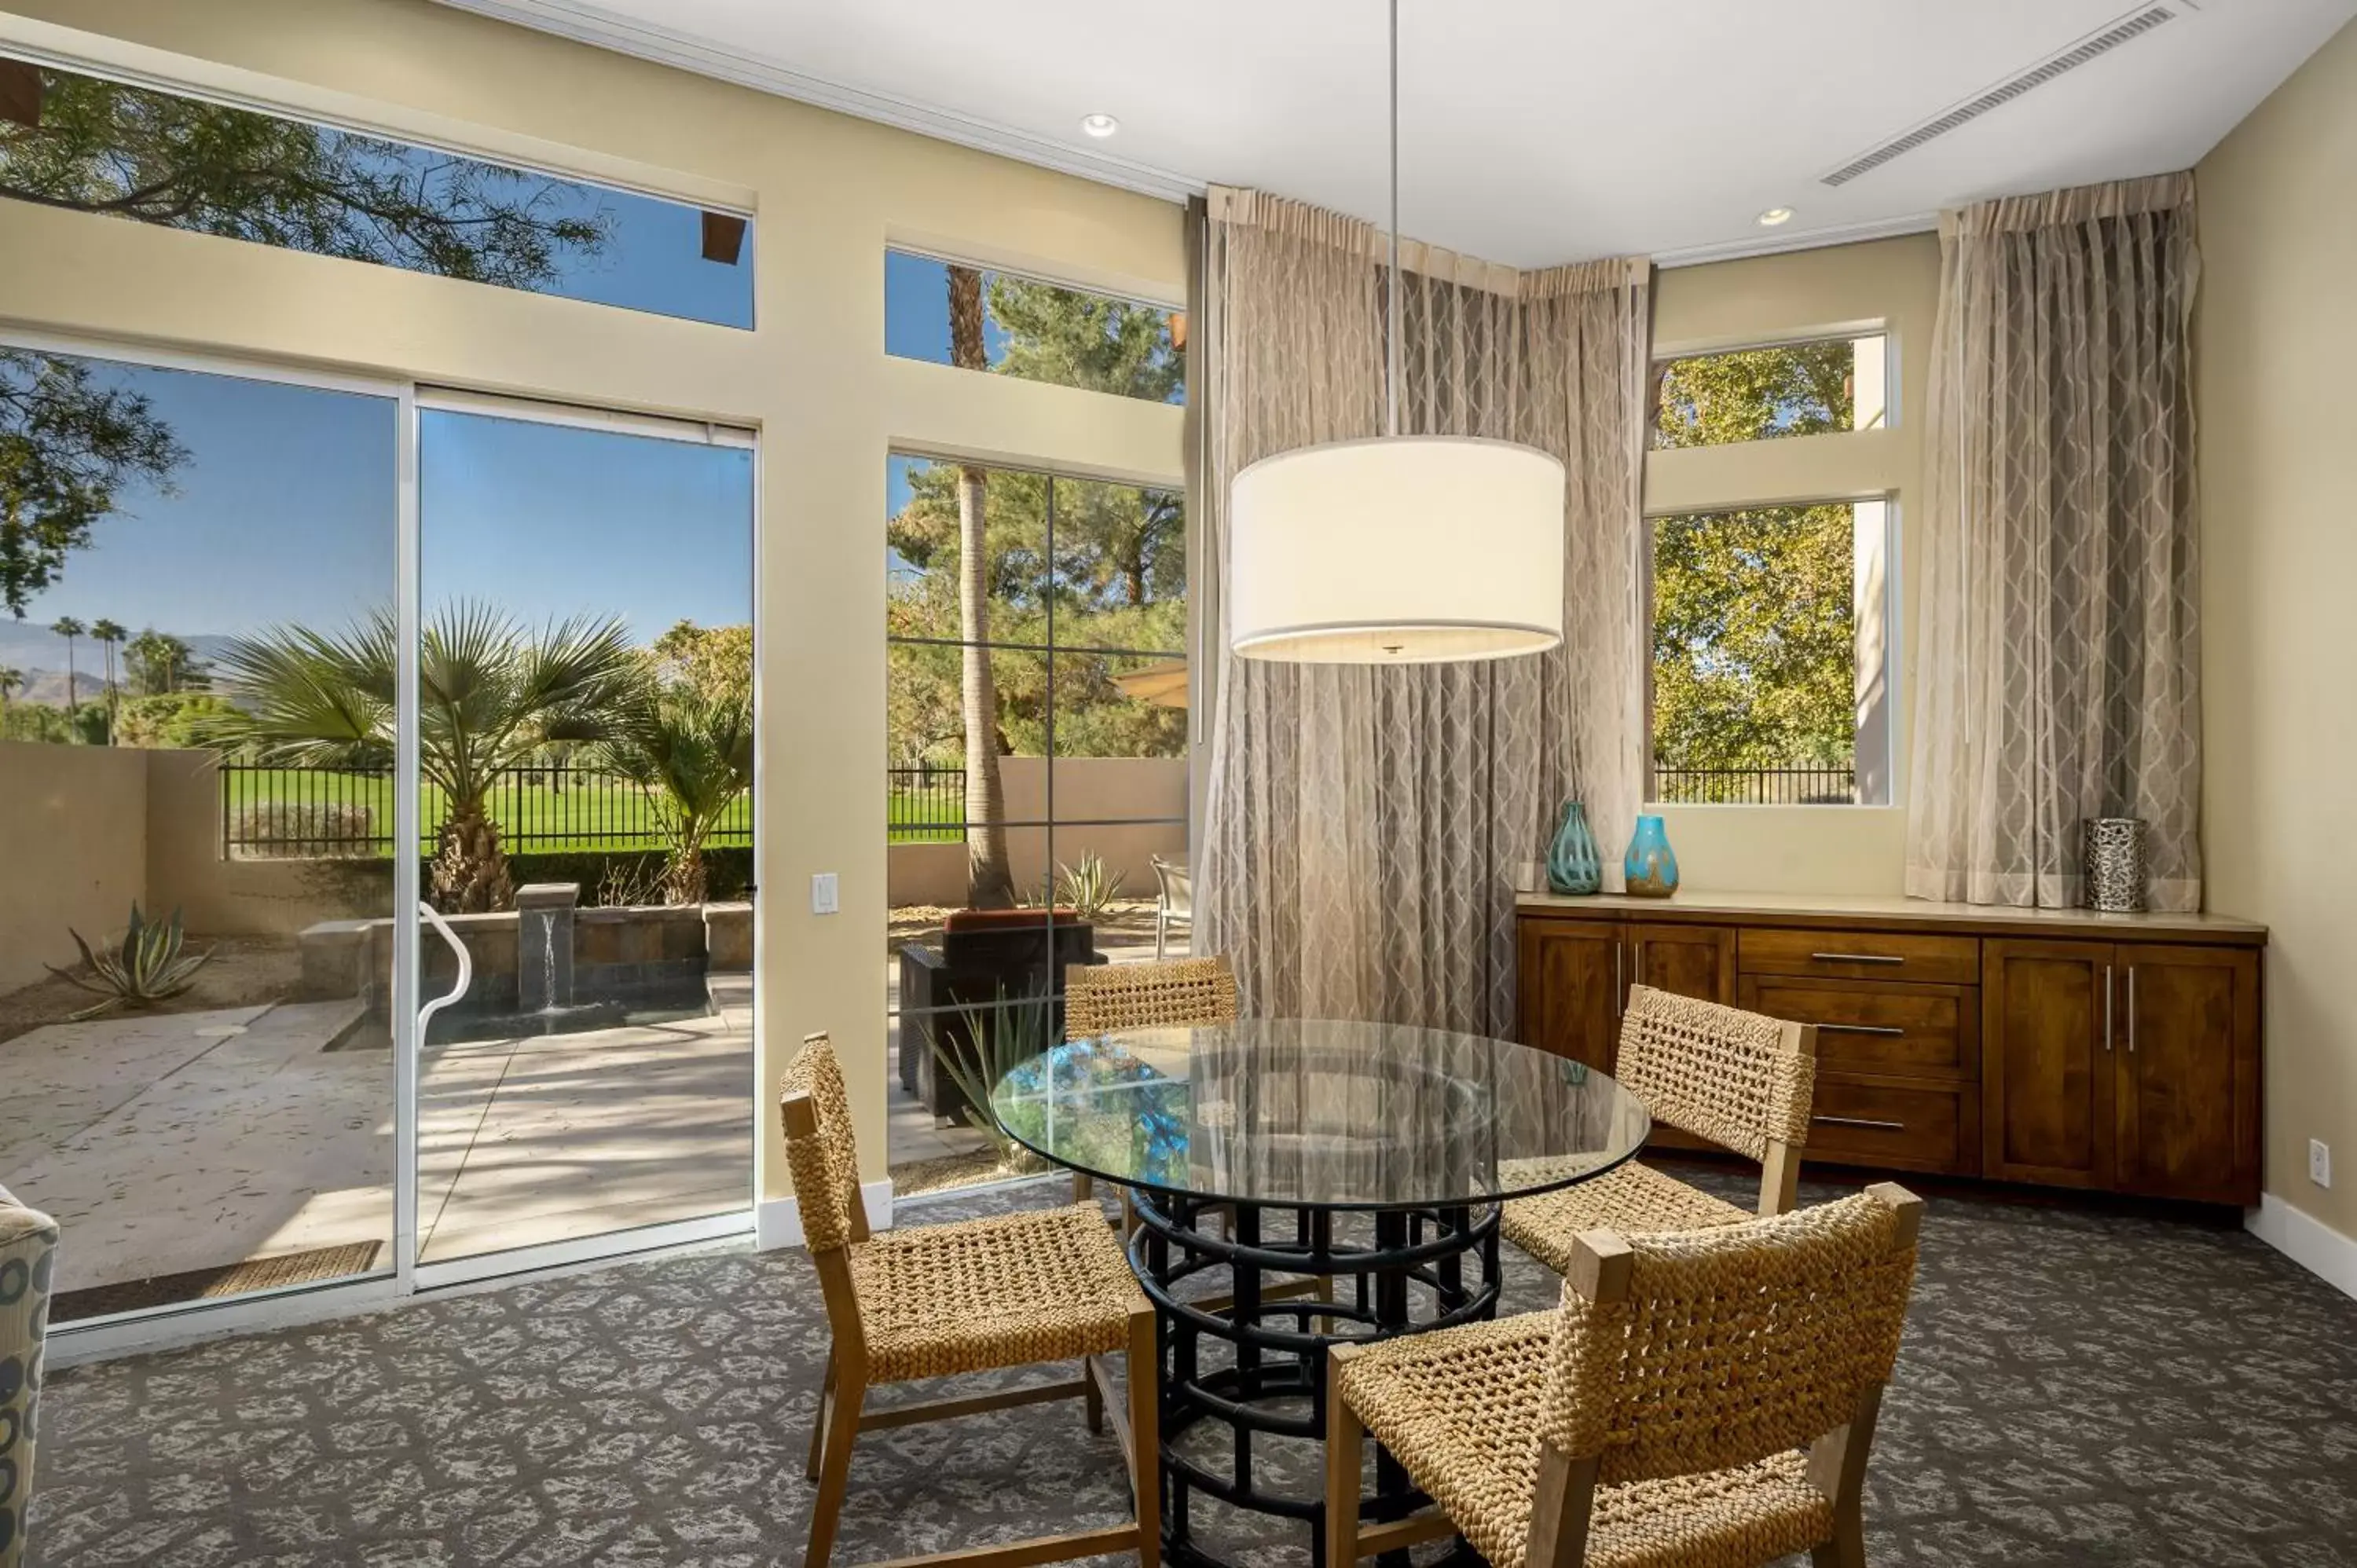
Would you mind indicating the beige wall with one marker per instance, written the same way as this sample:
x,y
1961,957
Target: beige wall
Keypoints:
x,y
239,898
1088,790
73,850
2275,340
829,193
1892,285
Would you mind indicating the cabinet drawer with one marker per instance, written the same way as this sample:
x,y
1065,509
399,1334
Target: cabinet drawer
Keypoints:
x,y
1876,1026
1907,1124
1860,955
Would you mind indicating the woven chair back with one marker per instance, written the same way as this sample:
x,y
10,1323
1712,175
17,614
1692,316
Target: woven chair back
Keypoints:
x,y
825,1164
1736,1078
1724,1346
1101,998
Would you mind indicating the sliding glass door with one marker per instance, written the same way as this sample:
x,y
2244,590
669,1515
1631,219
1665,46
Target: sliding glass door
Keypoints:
x,y
584,763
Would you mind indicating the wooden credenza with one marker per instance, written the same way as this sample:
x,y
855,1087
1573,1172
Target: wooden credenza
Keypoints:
x,y
2117,1053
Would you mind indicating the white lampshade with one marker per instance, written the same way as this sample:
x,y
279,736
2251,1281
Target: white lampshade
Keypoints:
x,y
1398,550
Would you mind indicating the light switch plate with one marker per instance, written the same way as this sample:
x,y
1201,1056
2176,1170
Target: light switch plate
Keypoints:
x,y
823,900
2320,1161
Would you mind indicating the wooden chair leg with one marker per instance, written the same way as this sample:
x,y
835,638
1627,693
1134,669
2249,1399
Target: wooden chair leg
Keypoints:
x,y
1091,1396
1085,1187
1345,1447
1846,1550
1145,1435
818,1421
834,1469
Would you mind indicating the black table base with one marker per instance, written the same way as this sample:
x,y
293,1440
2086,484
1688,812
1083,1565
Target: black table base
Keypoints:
x,y
1424,1269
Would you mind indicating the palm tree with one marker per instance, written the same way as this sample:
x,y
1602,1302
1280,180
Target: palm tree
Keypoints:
x,y
108,633
690,752
989,881
68,628
490,693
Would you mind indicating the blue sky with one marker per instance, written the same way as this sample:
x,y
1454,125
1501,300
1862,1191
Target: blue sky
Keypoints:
x,y
285,512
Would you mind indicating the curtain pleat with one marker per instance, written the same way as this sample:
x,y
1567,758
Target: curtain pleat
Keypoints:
x,y
1364,826
2058,676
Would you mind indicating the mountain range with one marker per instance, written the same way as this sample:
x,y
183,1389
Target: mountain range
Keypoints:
x,y
40,655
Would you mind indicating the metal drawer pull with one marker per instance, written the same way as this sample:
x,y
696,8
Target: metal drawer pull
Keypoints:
x,y
1858,1030
1856,958
1860,1121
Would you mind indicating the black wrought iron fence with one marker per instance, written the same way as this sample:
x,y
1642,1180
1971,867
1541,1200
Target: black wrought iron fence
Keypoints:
x,y
925,805
325,813
1755,786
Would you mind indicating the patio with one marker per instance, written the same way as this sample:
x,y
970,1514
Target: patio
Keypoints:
x,y
200,1141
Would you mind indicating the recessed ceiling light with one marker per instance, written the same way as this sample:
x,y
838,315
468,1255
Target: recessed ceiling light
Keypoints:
x,y
1775,215
1099,125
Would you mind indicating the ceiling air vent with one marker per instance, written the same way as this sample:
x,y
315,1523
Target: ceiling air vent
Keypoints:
x,y
2133,26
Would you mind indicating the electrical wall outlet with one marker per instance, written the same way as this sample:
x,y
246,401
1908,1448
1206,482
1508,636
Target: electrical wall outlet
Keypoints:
x,y
2320,1161
823,899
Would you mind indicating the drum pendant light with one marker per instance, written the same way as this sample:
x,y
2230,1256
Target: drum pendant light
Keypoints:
x,y
1397,549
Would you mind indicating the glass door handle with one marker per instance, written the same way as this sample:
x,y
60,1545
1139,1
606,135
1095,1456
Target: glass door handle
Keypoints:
x,y
466,969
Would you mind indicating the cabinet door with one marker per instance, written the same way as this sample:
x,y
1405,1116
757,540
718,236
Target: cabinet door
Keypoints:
x,y
1692,960
2047,1071
2188,1073
1569,979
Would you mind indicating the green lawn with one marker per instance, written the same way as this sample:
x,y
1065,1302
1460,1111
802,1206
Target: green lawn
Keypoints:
x,y
912,814
538,812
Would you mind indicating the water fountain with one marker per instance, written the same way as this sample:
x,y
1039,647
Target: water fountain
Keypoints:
x,y
544,1003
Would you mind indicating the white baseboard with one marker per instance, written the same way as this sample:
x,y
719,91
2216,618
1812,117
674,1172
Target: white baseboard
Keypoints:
x,y
2305,1240
778,1221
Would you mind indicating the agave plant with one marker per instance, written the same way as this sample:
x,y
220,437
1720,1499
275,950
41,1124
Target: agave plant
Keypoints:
x,y
999,1036
147,967
1088,888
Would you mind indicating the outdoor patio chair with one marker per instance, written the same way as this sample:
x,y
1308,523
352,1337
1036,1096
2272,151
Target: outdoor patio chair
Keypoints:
x,y
1175,902
28,1249
1736,1078
975,1295
1702,1400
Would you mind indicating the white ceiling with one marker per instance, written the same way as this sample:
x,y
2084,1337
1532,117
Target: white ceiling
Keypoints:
x,y
1533,131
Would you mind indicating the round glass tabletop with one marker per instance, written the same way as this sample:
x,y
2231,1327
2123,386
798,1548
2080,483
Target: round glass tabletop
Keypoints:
x,y
1320,1115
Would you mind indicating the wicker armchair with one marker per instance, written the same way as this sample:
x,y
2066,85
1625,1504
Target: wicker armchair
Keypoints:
x,y
1733,1077
1662,1417
29,1247
977,1295
1101,998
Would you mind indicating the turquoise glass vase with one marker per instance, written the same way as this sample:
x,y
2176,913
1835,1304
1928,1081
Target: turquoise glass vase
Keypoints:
x,y
1651,866
1574,864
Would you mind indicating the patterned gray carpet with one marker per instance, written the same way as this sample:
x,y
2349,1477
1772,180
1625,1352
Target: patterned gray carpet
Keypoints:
x,y
2076,1388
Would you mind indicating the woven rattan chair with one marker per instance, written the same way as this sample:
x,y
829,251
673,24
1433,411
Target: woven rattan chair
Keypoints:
x,y
1703,1399
977,1295
1735,1077
1102,997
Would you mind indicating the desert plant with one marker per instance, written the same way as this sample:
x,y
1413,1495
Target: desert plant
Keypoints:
x,y
690,752
147,967
1089,888
491,695
999,1036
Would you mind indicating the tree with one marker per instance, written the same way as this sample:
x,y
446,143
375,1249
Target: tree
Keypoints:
x,y
107,634
990,880
69,446
12,681
69,628
1799,388
1080,339
158,664
689,750
107,148
717,661
170,721
490,694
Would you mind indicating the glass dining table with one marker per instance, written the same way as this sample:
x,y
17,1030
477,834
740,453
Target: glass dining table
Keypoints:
x,y
1298,1184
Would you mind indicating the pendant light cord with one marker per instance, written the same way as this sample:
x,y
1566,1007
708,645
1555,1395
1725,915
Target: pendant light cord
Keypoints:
x,y
1392,366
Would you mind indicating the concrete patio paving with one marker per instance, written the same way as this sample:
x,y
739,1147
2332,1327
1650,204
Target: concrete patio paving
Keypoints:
x,y
199,1139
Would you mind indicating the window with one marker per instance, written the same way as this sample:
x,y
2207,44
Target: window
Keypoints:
x,y
1757,394
1033,330
1768,674
94,145
1075,650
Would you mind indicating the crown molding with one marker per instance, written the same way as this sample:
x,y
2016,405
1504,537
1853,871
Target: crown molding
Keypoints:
x,y
665,46
1778,244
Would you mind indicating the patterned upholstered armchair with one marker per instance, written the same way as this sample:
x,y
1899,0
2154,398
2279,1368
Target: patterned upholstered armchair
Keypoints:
x,y
28,1244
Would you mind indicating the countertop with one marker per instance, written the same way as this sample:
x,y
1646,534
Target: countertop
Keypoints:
x,y
1805,909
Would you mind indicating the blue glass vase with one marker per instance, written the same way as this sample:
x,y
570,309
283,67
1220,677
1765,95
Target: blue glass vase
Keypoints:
x,y
1651,866
1574,864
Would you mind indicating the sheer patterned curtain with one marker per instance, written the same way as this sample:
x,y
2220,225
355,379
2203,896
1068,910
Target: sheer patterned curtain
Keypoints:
x,y
1364,826
2058,675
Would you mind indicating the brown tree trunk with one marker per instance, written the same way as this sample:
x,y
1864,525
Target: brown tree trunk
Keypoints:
x,y
470,868
686,880
990,884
